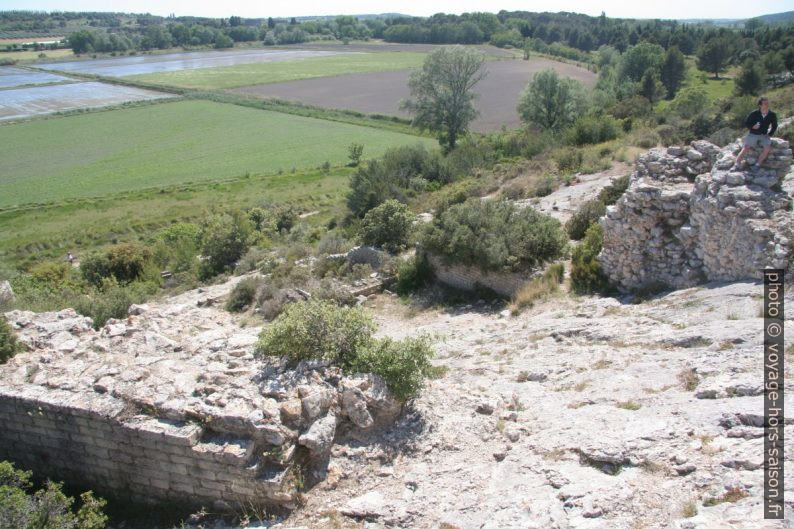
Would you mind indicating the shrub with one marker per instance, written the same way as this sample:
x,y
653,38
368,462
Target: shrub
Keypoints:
x,y
124,262
224,239
494,236
587,214
403,364
47,508
593,129
611,193
586,274
568,160
387,226
317,329
354,152
243,294
413,274
8,342
52,272
112,300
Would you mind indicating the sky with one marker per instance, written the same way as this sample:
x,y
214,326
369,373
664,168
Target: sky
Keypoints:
x,y
679,9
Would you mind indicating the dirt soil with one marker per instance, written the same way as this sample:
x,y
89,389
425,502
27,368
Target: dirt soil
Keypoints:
x,y
381,92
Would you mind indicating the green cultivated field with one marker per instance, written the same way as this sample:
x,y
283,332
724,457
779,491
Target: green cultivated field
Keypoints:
x,y
168,144
83,225
277,72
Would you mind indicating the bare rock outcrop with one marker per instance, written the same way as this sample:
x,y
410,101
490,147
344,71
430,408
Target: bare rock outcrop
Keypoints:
x,y
689,217
171,404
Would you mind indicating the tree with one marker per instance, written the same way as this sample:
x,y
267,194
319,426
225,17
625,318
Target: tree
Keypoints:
x,y
550,101
788,58
673,71
651,88
750,79
354,152
713,56
441,92
639,58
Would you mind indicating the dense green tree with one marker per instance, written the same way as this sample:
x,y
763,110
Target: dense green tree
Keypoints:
x,y
442,92
638,59
651,87
750,80
550,101
713,56
788,58
673,71
82,41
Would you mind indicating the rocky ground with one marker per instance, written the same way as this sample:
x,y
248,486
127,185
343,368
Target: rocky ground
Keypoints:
x,y
575,414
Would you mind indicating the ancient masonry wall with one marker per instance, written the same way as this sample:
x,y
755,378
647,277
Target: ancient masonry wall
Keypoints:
x,y
96,445
469,278
689,216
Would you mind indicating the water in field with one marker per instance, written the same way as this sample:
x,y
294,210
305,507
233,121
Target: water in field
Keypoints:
x,y
170,62
10,77
27,102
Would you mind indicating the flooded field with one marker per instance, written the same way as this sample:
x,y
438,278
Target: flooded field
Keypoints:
x,y
171,62
28,102
10,77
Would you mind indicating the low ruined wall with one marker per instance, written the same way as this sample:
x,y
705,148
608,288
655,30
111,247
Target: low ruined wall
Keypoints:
x,y
470,278
171,406
89,443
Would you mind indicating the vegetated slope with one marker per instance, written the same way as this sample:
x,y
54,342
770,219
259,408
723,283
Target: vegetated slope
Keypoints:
x,y
171,143
276,72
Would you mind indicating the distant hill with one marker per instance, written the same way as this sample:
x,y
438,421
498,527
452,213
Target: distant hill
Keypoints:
x,y
778,18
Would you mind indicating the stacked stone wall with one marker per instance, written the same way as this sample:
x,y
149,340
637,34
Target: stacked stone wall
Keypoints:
x,y
470,278
138,458
690,216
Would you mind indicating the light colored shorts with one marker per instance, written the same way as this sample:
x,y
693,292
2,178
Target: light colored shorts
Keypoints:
x,y
755,140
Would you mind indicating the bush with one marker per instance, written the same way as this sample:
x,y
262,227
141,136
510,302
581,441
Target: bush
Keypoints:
x,y
586,274
494,236
413,274
387,226
317,329
124,262
611,193
403,364
47,508
243,294
587,214
224,239
593,129
8,342
112,300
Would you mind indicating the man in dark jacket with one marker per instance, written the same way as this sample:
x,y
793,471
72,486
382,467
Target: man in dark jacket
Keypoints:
x,y
762,124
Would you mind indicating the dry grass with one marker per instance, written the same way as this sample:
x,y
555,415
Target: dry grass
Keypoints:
x,y
731,495
581,385
602,363
688,379
629,405
689,509
537,289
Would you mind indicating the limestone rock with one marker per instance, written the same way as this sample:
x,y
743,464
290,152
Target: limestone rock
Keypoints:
x,y
320,435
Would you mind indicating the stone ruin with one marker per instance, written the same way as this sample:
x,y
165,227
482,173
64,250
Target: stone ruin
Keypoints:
x,y
690,217
171,406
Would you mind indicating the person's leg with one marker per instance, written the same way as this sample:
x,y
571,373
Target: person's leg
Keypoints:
x,y
741,155
767,147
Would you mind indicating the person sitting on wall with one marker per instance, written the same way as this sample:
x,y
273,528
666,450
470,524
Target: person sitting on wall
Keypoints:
x,y
759,122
